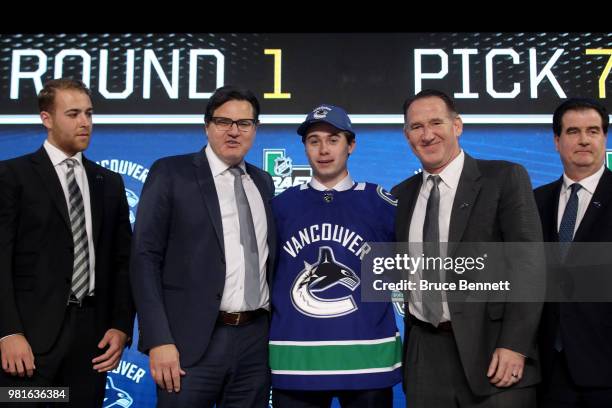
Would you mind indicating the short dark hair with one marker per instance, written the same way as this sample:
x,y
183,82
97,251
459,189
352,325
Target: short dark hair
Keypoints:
x,y
579,104
428,93
230,93
46,97
348,135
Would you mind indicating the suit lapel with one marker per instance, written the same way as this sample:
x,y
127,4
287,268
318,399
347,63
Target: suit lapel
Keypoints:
x,y
600,200
96,198
209,194
46,171
550,214
467,191
407,199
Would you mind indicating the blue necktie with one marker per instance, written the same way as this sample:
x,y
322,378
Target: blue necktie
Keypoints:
x,y
566,236
568,222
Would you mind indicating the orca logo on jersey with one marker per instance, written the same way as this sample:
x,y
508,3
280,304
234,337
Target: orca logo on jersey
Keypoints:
x,y
115,397
319,277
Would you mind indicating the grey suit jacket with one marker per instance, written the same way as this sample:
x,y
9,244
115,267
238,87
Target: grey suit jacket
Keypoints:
x,y
493,203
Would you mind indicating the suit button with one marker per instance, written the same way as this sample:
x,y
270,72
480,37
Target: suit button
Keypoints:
x,y
67,280
219,296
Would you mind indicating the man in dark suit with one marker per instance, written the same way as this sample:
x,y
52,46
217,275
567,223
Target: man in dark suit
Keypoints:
x,y
203,253
576,338
476,354
64,256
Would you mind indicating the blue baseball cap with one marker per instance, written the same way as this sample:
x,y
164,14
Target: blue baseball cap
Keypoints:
x,y
330,114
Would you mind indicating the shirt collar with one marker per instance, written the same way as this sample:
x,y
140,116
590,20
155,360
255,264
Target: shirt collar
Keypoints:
x,y
451,173
345,184
218,166
57,156
587,183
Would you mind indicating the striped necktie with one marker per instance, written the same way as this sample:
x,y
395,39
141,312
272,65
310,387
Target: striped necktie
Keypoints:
x,y
80,269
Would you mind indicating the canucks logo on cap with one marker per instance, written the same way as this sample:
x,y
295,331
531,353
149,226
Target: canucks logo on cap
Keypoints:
x,y
321,112
319,277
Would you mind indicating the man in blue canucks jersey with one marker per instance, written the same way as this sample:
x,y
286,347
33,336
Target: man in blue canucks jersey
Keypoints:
x,y
324,341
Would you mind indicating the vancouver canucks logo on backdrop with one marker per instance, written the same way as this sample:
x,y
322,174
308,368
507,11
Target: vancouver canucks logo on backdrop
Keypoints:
x,y
319,277
609,159
134,174
284,173
116,397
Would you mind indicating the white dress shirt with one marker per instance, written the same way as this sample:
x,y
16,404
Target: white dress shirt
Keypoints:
x,y
233,292
585,194
345,184
58,158
448,188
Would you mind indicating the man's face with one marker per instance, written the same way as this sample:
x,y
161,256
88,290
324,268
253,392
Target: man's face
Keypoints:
x,y
69,124
327,153
433,133
582,142
231,145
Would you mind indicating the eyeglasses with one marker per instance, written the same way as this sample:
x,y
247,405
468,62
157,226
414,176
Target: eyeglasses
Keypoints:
x,y
244,125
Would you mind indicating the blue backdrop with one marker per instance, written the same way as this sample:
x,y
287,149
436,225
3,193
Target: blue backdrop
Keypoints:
x,y
382,156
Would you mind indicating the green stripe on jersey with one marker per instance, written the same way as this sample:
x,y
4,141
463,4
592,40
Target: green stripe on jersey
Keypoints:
x,y
299,356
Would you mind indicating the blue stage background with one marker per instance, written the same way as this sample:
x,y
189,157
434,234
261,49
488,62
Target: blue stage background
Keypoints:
x,y
382,156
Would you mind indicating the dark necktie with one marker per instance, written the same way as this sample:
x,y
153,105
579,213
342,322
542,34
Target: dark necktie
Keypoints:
x,y
568,222
248,240
432,299
80,268
566,236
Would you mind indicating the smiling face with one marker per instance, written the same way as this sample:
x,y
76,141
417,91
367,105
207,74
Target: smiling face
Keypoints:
x,y
327,151
233,144
433,133
582,143
69,123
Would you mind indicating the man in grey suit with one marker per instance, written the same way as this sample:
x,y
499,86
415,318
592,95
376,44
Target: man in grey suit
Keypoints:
x,y
476,354
203,252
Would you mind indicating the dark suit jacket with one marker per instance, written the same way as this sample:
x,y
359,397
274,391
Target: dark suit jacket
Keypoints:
x,y
586,327
178,258
36,250
493,203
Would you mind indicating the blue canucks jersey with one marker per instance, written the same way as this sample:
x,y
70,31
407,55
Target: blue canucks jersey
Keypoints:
x,y
322,336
